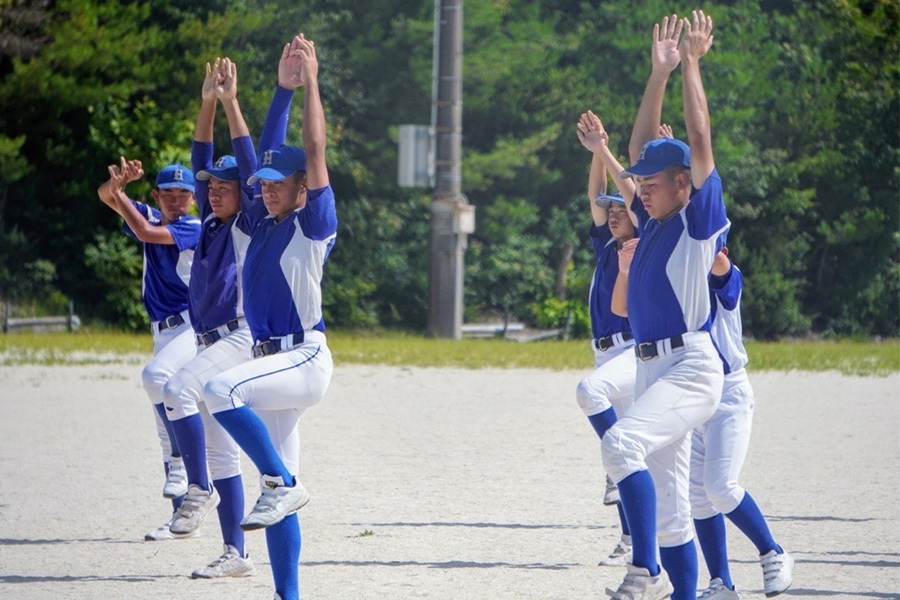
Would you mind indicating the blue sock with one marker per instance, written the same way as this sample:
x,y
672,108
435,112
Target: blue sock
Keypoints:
x,y
283,542
176,502
638,499
192,441
680,563
711,535
623,520
231,511
603,421
251,435
749,519
161,410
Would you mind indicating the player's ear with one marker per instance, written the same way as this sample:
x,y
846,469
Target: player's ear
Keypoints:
x,y
155,194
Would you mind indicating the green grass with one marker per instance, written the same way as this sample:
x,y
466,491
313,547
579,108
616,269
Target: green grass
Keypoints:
x,y
404,349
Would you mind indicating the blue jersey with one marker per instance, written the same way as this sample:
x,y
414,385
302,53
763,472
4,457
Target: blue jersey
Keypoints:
x,y
668,293
167,267
283,269
603,321
727,331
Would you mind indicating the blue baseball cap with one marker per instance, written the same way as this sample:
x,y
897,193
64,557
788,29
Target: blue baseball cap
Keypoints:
x,y
604,200
226,169
279,163
659,155
175,176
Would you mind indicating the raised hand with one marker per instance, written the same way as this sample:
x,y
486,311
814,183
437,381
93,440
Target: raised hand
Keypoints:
x,y
665,131
208,91
664,53
591,133
291,65
226,80
133,170
698,36
310,63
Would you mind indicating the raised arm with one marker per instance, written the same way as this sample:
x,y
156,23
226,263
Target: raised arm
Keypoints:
x,y
698,39
203,130
119,176
313,117
593,137
619,302
664,57
226,92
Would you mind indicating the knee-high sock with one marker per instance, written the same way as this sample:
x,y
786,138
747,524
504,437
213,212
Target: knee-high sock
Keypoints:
x,y
749,519
231,511
283,541
251,435
680,563
623,520
711,535
638,498
603,421
192,442
161,410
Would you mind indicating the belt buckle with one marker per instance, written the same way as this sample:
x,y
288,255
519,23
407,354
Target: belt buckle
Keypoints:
x,y
172,321
606,343
265,348
651,350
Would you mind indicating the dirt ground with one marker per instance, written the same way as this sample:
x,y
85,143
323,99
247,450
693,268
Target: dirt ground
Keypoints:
x,y
431,483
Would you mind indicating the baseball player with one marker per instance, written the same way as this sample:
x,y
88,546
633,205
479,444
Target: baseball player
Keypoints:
x,y
230,212
679,375
259,403
168,237
609,390
719,447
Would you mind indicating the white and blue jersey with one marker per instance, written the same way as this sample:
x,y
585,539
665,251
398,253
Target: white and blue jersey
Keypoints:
x,y
215,290
727,330
668,292
604,322
167,267
283,269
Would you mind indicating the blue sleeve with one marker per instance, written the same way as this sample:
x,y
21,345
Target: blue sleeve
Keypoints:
x,y
637,207
247,164
201,160
600,236
706,212
318,220
275,130
151,214
186,232
727,287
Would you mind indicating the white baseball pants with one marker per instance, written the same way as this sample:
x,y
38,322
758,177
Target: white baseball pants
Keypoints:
x,y
612,382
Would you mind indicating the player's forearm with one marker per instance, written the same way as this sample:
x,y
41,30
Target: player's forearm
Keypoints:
x,y
696,120
619,302
646,124
597,182
203,129
313,120
142,229
237,126
105,192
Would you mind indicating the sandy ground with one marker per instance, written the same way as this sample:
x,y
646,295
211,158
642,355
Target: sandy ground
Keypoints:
x,y
431,483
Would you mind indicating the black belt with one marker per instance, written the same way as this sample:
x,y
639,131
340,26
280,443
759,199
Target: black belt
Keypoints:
x,y
605,343
267,347
649,350
208,338
170,322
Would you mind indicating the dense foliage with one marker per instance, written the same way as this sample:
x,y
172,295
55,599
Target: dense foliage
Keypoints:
x,y
805,116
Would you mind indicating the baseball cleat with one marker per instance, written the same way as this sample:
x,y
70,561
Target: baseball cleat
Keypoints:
x,y
176,479
717,591
194,509
640,585
276,502
621,554
778,572
162,533
611,496
230,564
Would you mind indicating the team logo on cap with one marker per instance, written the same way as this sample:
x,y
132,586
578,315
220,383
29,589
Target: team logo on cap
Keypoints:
x,y
220,163
267,157
643,152
179,175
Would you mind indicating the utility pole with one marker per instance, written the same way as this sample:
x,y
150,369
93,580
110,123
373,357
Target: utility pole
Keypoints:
x,y
452,218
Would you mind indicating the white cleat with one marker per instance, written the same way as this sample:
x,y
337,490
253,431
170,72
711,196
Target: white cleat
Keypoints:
x,y
162,533
230,564
176,479
194,509
621,554
778,572
717,591
640,585
276,502
611,496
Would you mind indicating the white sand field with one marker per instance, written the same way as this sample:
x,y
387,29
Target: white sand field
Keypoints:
x,y
474,485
